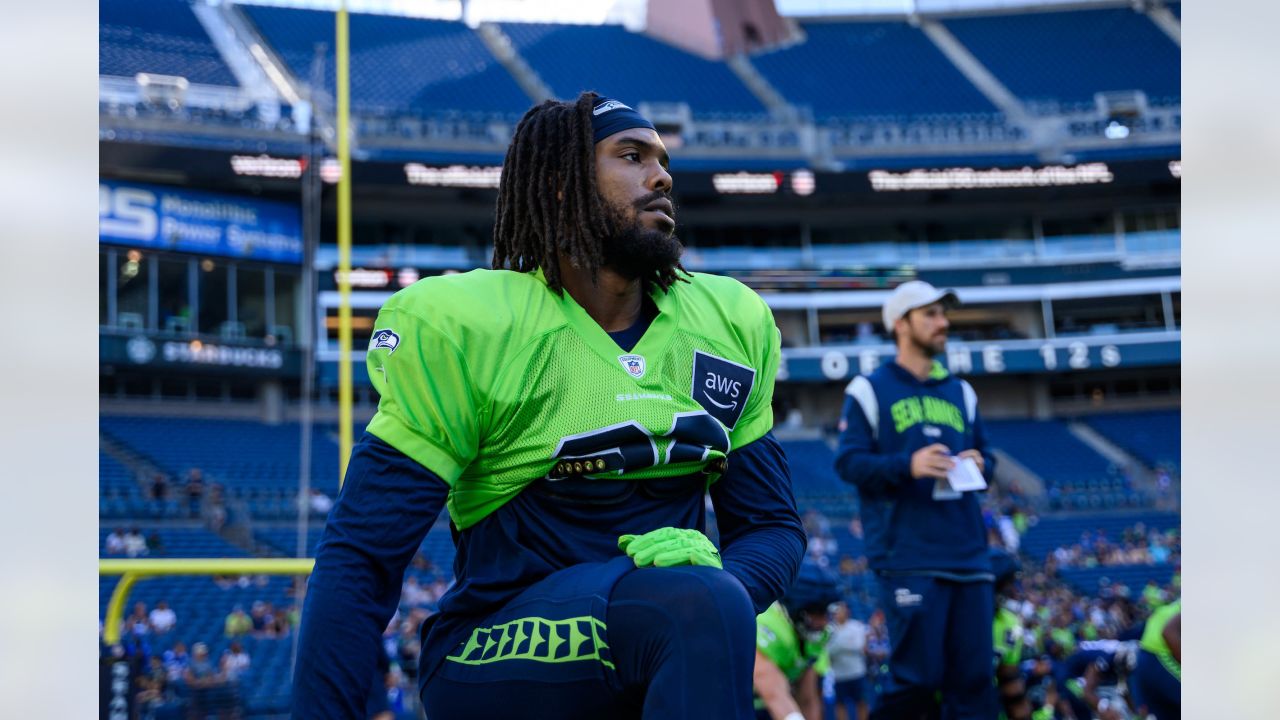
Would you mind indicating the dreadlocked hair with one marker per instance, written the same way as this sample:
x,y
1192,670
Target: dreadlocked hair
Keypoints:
x,y
547,199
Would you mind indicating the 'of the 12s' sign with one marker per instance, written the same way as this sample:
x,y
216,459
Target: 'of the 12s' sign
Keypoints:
x,y
721,386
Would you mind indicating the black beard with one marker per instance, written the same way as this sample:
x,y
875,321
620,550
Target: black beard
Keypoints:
x,y
635,251
927,349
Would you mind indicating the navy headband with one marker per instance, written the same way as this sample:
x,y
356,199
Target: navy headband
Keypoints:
x,y
612,116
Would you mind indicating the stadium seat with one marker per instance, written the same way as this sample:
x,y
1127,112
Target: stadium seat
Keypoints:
x,y
157,36
876,69
398,64
1064,58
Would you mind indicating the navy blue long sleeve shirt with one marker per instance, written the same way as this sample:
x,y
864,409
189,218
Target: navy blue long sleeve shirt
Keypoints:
x,y
887,416
389,502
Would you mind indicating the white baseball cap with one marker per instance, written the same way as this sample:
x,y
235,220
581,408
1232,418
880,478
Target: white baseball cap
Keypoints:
x,y
911,295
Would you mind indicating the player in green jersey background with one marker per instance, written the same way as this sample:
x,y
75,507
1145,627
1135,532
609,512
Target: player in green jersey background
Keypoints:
x,y
1006,635
572,408
791,649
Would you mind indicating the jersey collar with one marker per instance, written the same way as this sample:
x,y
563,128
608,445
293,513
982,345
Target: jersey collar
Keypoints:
x,y
652,345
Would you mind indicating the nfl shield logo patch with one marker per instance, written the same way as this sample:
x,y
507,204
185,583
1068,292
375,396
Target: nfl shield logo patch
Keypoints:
x,y
633,364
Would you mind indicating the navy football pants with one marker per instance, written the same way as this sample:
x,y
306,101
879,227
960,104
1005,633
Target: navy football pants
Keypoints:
x,y
940,637
681,642
1154,686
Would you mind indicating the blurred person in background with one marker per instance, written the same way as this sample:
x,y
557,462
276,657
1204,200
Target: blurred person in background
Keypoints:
x,y
237,623
194,489
139,623
135,544
208,686
159,487
848,650
235,661
791,648
162,618
1157,680
904,428
155,545
115,542
1006,632
176,661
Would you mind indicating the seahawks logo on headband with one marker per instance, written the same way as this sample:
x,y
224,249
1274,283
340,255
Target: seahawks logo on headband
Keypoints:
x,y
608,105
612,116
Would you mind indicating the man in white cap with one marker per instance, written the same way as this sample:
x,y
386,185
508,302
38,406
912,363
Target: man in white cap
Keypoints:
x,y
904,429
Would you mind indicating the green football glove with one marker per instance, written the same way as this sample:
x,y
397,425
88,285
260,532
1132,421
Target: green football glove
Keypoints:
x,y
668,546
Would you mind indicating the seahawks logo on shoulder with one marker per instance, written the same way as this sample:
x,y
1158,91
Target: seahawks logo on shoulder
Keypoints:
x,y
385,339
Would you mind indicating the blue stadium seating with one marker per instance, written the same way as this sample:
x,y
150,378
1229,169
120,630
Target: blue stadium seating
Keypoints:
x,y
244,456
437,546
1069,56
1051,532
398,64
1076,477
629,66
157,36
114,479
180,542
1154,437
889,69
813,472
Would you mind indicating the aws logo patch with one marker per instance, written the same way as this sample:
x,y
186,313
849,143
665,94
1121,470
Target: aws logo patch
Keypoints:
x,y
721,386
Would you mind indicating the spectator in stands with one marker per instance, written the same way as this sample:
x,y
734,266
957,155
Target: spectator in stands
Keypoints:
x,y
162,618
320,503
281,624
135,545
176,661
195,491
237,623
138,625
155,546
413,595
235,661
115,542
847,648
258,616
152,688
159,487
905,428
214,509
207,684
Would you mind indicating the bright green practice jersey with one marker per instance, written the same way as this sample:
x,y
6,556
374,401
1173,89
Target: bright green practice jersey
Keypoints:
x,y
1006,633
492,381
1153,637
777,640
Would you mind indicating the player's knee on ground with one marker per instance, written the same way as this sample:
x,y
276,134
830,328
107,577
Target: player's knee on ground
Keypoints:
x,y
686,614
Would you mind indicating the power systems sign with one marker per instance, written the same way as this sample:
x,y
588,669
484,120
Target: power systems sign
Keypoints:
x,y
182,220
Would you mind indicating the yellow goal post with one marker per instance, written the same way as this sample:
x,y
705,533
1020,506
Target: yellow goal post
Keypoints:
x,y
130,571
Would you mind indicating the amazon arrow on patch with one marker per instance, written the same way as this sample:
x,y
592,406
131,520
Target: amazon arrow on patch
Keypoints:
x,y
721,386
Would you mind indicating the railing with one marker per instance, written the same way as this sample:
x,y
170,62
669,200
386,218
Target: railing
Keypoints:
x,y
130,571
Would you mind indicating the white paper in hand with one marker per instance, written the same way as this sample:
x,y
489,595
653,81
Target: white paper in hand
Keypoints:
x,y
965,476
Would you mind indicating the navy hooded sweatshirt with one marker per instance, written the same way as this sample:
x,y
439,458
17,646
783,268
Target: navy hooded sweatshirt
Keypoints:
x,y
888,415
